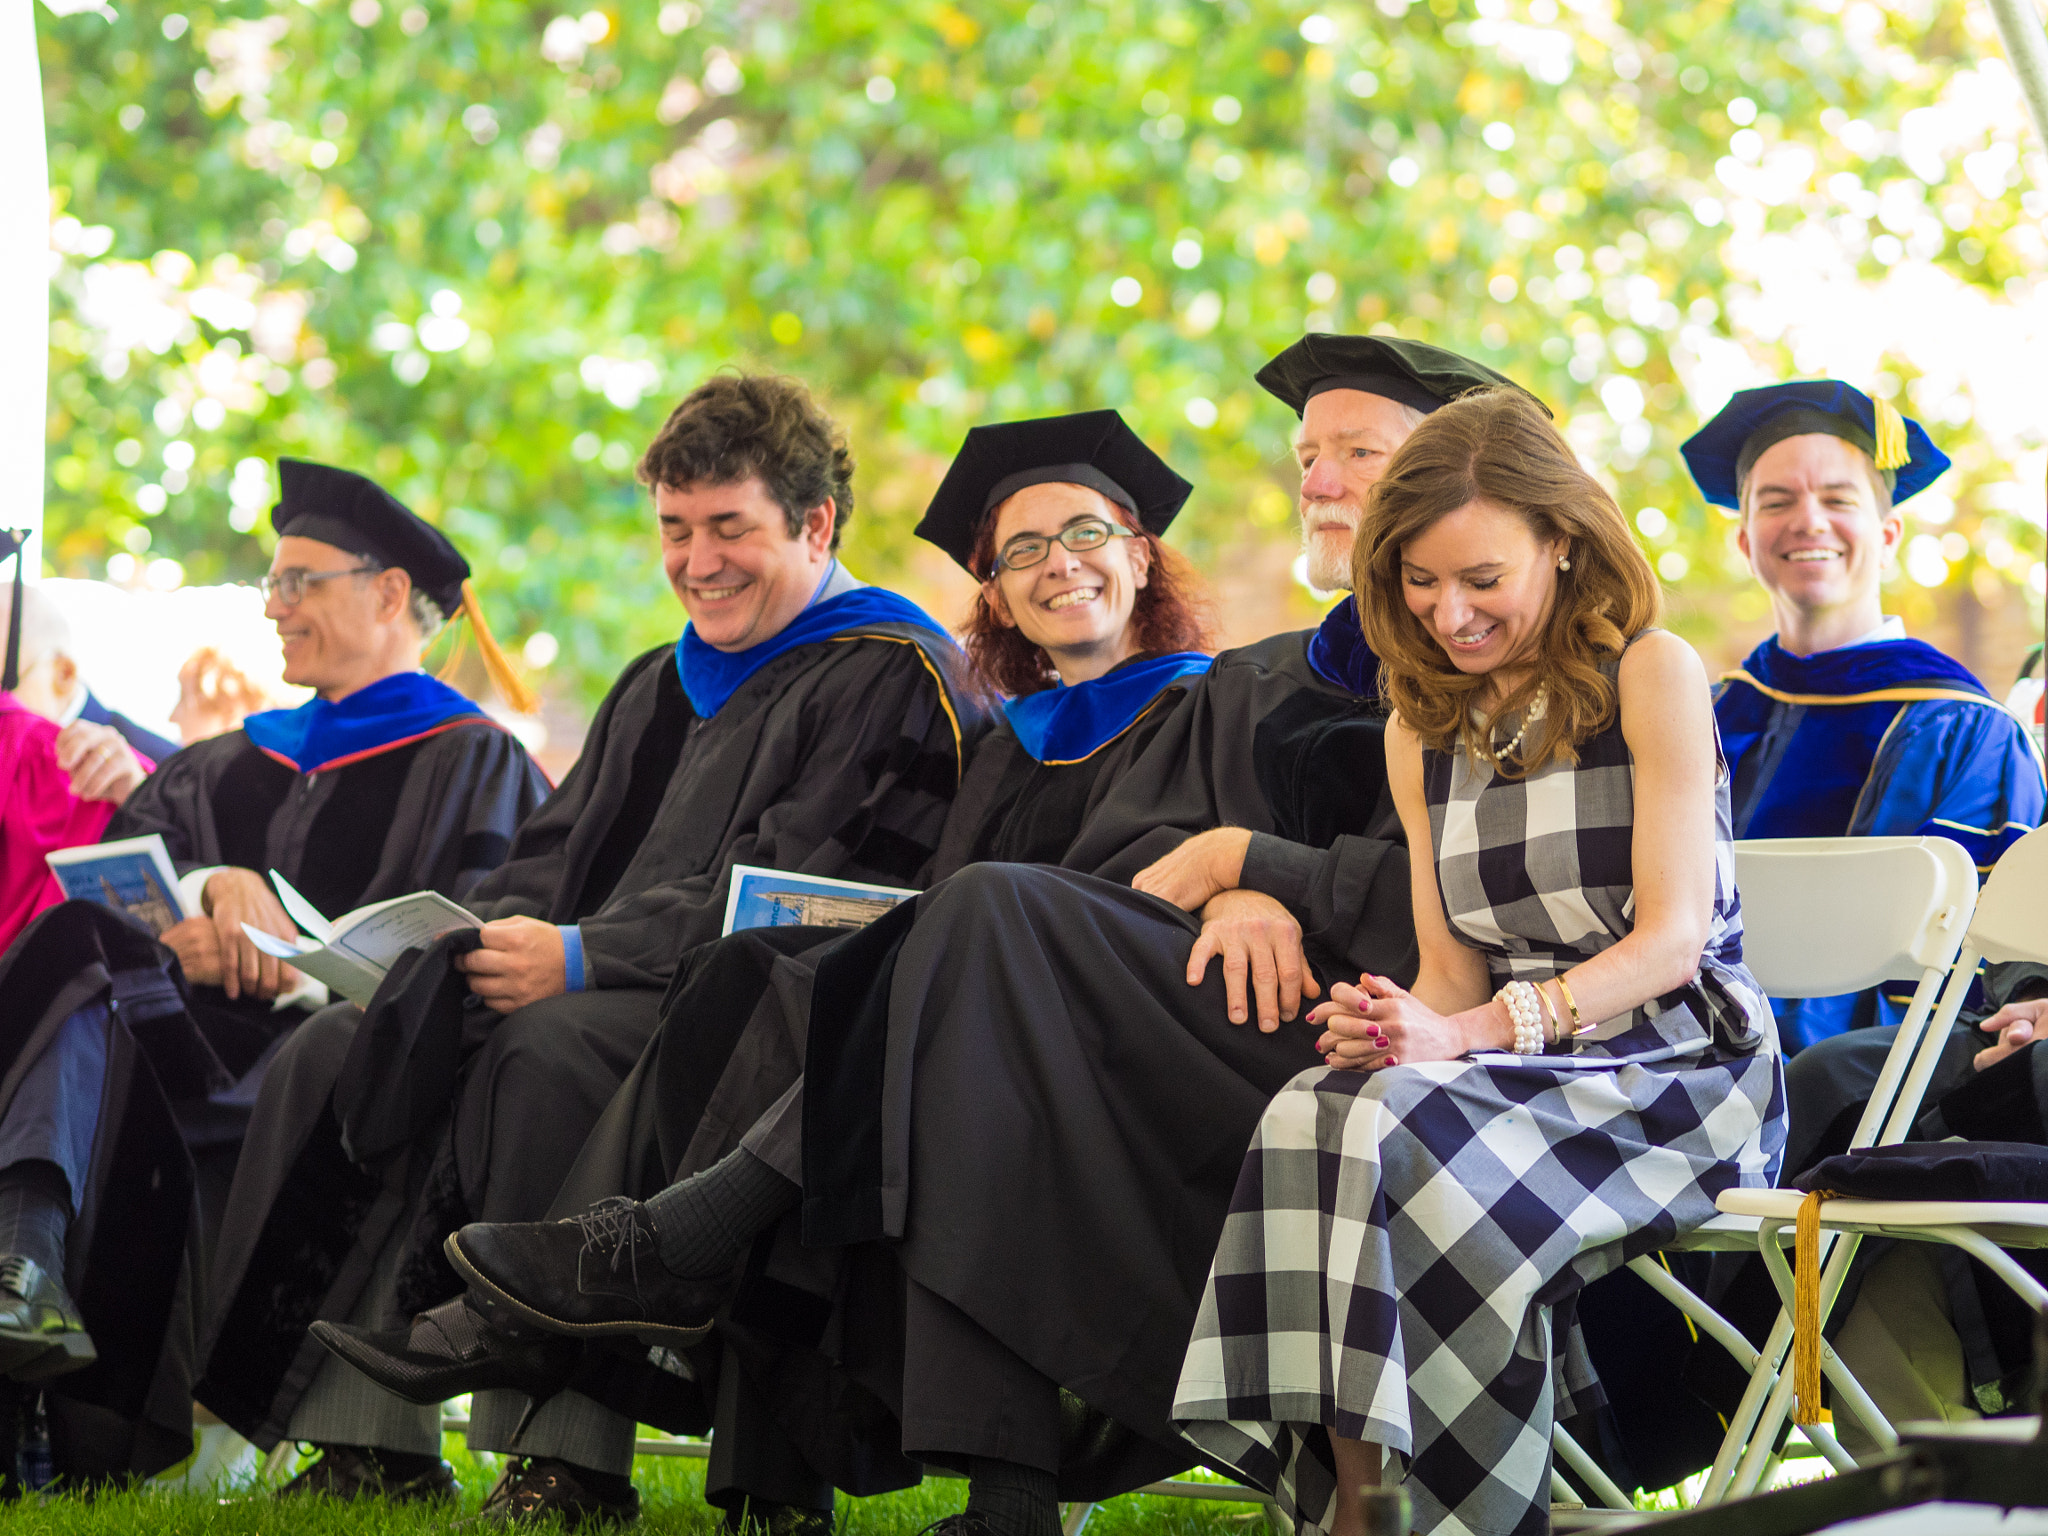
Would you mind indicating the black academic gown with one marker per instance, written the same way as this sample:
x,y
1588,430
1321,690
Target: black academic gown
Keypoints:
x,y
947,1040
837,758
735,1021
184,1061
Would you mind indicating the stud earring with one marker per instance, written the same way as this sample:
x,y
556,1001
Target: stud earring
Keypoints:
x,y
1563,564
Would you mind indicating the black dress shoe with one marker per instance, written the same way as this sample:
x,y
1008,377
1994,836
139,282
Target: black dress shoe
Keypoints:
x,y
353,1472
450,1350
590,1276
41,1333
535,1491
754,1516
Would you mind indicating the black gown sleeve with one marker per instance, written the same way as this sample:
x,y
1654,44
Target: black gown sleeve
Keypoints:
x,y
176,804
863,803
474,805
528,883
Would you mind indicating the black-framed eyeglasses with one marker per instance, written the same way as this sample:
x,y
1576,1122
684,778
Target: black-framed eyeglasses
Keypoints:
x,y
1029,549
289,586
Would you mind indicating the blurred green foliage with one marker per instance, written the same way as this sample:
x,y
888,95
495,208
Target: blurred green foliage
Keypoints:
x,y
476,248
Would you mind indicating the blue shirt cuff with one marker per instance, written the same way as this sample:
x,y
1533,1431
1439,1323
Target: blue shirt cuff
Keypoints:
x,y
572,957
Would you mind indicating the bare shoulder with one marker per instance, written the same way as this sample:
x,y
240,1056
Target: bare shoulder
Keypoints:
x,y
1660,660
1404,751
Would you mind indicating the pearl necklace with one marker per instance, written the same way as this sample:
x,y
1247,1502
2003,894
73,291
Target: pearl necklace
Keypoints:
x,y
1535,712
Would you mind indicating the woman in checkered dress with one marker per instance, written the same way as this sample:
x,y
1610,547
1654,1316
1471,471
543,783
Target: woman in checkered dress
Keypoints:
x,y
1583,1062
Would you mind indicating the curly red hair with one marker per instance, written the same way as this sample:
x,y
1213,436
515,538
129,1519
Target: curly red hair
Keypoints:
x,y
1173,612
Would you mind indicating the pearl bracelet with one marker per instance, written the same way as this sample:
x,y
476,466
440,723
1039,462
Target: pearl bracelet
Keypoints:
x,y
1525,1012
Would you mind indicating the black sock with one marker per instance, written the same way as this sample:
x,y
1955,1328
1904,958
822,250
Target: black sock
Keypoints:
x,y
35,1213
704,1224
1015,1500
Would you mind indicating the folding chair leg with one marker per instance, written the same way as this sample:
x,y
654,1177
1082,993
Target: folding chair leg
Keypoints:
x,y
1742,1427
1562,1492
1717,1327
1587,1470
1077,1516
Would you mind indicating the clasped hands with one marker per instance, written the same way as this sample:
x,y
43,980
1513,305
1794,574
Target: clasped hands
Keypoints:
x,y
1379,1024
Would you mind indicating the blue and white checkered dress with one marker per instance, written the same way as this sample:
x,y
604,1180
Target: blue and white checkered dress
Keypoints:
x,y
1404,1251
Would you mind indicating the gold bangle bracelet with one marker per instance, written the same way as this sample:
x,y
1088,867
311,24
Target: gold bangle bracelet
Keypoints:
x,y
1550,1013
1564,990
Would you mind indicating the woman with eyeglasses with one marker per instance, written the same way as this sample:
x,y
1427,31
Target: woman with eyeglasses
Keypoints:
x,y
1088,631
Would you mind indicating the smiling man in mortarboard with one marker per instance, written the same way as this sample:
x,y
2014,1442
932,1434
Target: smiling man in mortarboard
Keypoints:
x,y
1839,725
1051,1164
804,721
386,782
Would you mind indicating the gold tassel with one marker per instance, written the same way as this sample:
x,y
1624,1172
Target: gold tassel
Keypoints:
x,y
514,692
1806,1339
1891,451
456,647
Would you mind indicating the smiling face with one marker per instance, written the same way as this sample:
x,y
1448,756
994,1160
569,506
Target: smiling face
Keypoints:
x,y
344,634
1342,447
729,555
1816,534
1076,607
1482,583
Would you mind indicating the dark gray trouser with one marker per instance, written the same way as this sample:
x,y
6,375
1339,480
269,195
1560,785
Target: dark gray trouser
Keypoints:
x,y
1827,1084
55,1113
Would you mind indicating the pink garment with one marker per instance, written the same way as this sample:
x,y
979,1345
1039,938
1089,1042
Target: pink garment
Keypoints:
x,y
38,815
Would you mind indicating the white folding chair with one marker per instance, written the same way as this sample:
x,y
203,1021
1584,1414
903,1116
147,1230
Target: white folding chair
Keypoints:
x,y
1821,917
2010,924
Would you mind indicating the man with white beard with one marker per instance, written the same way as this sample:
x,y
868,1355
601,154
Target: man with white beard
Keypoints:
x,y
1040,1355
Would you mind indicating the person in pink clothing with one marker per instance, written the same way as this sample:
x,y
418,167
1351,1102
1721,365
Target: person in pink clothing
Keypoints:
x,y
38,815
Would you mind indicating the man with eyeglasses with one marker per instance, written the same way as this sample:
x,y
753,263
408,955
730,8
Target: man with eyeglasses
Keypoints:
x,y
132,1078
1007,1291
803,721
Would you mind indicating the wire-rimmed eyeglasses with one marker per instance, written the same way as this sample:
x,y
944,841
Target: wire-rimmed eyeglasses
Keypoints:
x,y
288,586
1029,549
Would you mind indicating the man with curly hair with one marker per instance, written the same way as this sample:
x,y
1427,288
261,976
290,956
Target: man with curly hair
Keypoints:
x,y
804,721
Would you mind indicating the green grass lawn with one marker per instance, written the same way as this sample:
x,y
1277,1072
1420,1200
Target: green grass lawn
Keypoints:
x,y
671,1505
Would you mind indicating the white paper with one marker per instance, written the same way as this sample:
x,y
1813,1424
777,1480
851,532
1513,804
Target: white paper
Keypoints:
x,y
302,911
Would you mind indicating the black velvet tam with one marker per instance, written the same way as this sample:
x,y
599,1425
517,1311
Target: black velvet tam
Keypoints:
x,y
352,512
1934,1170
1091,448
1410,373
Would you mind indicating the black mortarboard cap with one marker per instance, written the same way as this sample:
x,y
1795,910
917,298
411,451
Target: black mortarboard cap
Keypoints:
x,y
1411,373
1722,453
352,512
1091,448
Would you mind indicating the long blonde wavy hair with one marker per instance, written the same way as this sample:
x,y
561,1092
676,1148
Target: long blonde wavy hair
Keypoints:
x,y
1497,445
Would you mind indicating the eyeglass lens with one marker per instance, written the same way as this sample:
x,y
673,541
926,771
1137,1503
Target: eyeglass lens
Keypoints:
x,y
1031,549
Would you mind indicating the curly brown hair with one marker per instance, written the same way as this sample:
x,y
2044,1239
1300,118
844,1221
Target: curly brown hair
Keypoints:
x,y
738,426
1173,612
1497,445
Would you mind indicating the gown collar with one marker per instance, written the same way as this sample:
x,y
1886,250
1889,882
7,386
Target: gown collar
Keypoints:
x,y
1849,672
389,713
1338,654
1066,724
840,605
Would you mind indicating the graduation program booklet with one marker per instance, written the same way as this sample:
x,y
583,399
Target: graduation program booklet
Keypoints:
x,y
133,876
353,953
774,898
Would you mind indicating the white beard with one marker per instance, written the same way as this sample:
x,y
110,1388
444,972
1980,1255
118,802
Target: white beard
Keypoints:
x,y
1329,562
